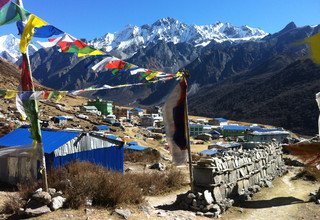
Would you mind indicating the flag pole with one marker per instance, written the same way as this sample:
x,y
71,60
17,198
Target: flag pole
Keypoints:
x,y
186,75
32,105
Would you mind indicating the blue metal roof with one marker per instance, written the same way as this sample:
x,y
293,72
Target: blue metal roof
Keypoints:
x,y
221,119
138,109
51,140
235,127
209,152
111,136
61,117
135,147
102,127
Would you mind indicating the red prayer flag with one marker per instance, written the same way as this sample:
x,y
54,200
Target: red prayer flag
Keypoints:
x,y
116,64
3,2
26,81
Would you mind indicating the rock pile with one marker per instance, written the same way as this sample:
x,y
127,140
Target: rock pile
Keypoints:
x,y
203,203
315,196
43,202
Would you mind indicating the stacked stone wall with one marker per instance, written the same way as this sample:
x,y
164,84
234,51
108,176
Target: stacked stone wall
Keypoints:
x,y
230,176
239,173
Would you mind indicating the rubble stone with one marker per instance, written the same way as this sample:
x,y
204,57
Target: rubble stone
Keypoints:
x,y
158,166
37,211
208,197
42,197
125,213
57,203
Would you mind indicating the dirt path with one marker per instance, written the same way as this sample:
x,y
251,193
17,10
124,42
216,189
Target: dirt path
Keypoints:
x,y
288,199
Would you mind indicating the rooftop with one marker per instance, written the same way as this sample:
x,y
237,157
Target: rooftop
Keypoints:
x,y
51,139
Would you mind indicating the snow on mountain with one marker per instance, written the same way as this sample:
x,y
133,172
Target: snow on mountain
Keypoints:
x,y
172,30
9,48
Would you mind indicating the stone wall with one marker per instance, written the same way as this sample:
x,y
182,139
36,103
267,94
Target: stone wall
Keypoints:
x,y
231,176
239,173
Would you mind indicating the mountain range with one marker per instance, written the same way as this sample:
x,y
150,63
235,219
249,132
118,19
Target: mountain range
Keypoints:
x,y
240,73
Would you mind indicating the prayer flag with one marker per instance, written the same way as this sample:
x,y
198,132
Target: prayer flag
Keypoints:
x,y
175,118
10,13
3,2
28,32
314,46
102,64
41,32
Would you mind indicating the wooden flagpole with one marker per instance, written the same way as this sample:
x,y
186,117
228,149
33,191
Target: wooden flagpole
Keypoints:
x,y
185,77
35,121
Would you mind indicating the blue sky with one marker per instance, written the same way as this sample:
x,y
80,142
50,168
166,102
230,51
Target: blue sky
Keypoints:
x,y
94,18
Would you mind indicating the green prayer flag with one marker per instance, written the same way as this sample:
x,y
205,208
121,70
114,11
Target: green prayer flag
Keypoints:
x,y
10,13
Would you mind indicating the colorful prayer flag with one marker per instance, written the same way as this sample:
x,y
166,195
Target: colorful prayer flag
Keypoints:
x,y
10,13
101,65
41,32
28,32
175,118
314,46
3,2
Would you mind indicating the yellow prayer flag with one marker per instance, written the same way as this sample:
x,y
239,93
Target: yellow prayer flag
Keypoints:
x,y
28,31
60,96
10,94
152,75
93,53
314,45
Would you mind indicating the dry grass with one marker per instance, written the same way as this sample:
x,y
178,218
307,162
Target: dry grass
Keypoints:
x,y
147,156
81,180
12,204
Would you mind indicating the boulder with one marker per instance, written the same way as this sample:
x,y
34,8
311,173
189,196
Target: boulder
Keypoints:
x,y
208,197
158,166
57,203
42,197
52,191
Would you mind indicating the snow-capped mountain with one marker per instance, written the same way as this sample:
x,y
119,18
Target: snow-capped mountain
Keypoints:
x,y
172,30
9,48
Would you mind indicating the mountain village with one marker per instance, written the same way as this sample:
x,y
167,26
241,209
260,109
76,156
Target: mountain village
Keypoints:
x,y
86,133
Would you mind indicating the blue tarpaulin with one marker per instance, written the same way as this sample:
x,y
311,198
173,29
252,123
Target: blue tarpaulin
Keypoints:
x,y
110,157
51,139
135,147
132,143
102,127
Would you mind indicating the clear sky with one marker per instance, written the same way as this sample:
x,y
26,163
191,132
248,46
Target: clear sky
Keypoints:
x,y
94,18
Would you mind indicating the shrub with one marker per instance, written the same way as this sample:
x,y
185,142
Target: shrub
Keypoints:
x,y
82,180
147,156
12,204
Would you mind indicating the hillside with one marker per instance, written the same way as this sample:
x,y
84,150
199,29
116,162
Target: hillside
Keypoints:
x,y
284,98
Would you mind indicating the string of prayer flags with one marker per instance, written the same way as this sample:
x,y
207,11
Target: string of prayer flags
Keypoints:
x,y
10,13
56,96
41,32
69,44
28,32
314,46
119,66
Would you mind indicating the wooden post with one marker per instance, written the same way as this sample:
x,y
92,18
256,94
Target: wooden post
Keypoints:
x,y
35,121
185,76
